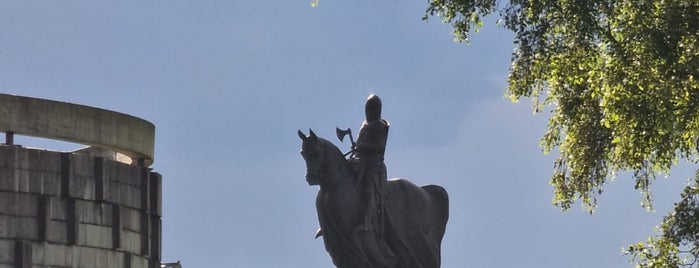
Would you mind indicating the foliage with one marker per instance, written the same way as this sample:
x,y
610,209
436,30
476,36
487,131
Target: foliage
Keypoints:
x,y
678,242
620,78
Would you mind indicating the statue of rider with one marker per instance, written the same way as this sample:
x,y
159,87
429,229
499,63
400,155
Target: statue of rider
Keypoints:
x,y
371,145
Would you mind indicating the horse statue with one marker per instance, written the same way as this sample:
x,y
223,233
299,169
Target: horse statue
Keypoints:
x,y
414,222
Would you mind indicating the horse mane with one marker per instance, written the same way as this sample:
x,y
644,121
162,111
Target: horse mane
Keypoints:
x,y
331,148
336,156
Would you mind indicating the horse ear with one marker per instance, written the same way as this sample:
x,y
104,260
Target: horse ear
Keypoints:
x,y
311,134
301,135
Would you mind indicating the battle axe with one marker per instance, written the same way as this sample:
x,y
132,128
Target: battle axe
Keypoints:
x,y
341,135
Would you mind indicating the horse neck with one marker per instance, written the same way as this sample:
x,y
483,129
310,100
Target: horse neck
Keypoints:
x,y
338,171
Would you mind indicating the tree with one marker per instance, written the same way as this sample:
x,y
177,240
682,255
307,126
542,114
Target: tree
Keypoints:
x,y
620,78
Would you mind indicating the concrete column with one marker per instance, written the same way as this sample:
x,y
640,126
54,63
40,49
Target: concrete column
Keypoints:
x,y
9,138
145,233
155,241
128,260
100,193
23,254
65,175
145,189
116,226
72,222
44,216
156,199
145,210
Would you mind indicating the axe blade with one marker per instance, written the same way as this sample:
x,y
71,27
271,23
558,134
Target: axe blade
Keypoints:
x,y
342,133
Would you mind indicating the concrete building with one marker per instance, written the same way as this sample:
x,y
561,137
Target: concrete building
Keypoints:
x,y
96,207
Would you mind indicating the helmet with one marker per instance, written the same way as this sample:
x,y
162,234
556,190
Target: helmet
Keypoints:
x,y
373,100
373,108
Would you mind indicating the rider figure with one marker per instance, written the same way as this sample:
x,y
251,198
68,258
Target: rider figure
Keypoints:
x,y
371,144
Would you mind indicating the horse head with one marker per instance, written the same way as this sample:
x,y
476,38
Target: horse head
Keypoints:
x,y
313,153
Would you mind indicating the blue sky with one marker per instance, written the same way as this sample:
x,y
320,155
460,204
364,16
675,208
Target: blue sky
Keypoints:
x,y
228,83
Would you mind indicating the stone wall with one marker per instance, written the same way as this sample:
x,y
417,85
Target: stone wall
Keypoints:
x,y
73,210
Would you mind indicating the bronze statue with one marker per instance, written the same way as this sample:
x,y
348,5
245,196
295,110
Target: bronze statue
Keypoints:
x,y
365,220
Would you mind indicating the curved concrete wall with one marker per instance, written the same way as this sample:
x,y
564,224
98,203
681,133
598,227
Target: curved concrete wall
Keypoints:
x,y
123,133
72,210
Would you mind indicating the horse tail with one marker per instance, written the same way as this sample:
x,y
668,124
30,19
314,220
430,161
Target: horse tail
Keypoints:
x,y
440,207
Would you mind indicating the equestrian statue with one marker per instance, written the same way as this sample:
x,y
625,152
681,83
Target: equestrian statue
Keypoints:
x,y
367,221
